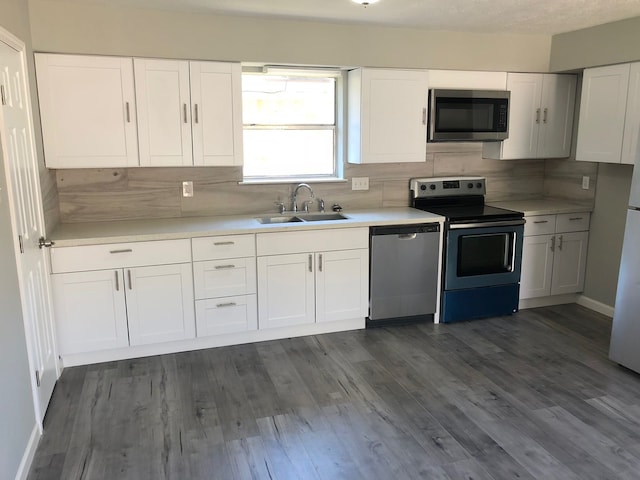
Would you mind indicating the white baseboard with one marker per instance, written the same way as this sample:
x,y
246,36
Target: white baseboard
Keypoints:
x,y
547,301
596,306
29,454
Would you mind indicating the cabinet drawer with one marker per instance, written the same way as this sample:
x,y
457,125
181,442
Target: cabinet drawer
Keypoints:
x,y
226,315
540,225
312,240
573,222
229,246
119,255
222,278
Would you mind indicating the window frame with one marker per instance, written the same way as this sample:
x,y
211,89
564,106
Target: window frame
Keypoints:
x,y
338,127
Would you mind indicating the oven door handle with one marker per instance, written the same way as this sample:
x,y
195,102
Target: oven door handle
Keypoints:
x,y
506,223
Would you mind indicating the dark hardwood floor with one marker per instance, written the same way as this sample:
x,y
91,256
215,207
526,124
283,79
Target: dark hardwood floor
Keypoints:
x,y
532,396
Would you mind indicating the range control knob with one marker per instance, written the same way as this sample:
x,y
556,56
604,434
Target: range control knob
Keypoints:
x,y
470,185
432,186
423,187
479,185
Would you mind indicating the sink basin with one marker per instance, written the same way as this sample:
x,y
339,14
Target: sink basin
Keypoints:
x,y
278,219
318,217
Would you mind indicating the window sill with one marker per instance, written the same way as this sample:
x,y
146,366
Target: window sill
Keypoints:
x,y
271,181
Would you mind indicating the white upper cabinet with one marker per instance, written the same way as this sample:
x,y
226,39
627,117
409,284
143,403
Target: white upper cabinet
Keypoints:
x,y
540,117
87,106
164,112
609,114
387,115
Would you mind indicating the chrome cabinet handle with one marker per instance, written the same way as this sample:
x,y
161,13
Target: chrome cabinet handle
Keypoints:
x,y
195,116
42,242
228,304
124,250
3,95
553,244
184,112
560,244
222,267
128,112
424,116
129,278
544,115
320,262
219,244
310,263
573,219
117,281
541,221
538,115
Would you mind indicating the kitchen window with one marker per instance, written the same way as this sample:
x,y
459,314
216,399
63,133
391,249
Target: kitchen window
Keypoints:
x,y
291,127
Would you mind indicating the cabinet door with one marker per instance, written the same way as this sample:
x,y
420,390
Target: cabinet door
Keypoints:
x,y
569,262
558,103
524,116
392,116
602,112
216,113
342,285
630,150
286,290
90,311
160,303
163,105
537,266
88,111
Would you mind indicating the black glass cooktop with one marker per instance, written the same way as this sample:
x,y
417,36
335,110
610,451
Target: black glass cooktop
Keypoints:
x,y
476,211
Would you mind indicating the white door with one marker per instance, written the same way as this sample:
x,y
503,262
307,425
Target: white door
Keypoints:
x,y
16,132
558,102
87,105
602,111
160,304
287,292
163,104
630,143
216,113
524,115
569,263
342,285
90,311
537,266
394,106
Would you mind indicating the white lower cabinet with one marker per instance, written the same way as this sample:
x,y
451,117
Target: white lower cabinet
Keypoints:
x,y
127,304
305,287
554,254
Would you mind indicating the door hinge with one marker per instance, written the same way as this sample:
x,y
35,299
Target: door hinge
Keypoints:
x,y
37,378
3,95
21,242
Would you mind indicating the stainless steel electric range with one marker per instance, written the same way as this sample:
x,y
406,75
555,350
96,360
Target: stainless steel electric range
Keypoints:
x,y
482,247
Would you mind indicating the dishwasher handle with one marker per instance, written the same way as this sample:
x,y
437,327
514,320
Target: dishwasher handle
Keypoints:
x,y
405,231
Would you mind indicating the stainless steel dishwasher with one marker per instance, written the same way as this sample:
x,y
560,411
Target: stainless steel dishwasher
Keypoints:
x,y
403,273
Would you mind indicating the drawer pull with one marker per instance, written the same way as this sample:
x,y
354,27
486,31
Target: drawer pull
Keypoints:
x,y
117,281
573,219
228,304
219,244
222,267
541,221
124,250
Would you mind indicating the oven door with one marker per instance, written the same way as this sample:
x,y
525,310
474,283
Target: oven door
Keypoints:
x,y
483,254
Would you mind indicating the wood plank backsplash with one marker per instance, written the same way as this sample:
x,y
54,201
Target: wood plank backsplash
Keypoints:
x,y
135,193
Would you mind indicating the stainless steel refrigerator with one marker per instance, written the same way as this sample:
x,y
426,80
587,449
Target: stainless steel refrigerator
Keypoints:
x,y
625,335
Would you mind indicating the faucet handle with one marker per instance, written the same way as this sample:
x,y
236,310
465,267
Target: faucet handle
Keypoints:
x,y
336,207
305,205
321,205
280,206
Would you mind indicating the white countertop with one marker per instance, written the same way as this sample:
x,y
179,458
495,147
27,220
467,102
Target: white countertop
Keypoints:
x,y
545,206
92,233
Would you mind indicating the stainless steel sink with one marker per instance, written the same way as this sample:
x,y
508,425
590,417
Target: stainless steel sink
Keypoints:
x,y
318,217
278,219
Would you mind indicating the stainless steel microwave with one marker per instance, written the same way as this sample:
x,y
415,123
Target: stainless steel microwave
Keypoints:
x,y
468,115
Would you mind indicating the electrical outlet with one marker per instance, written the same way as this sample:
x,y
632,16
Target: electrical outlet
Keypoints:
x,y
585,182
360,183
187,189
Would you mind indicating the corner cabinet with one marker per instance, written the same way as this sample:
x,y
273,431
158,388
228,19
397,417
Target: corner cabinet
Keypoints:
x,y
609,124
541,113
312,276
88,111
116,295
554,254
387,115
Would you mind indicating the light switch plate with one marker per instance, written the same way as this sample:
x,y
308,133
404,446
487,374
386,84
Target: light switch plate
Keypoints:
x,y
585,182
187,189
360,183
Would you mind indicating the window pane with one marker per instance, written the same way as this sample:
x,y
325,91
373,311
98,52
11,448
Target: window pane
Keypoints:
x,y
288,152
276,100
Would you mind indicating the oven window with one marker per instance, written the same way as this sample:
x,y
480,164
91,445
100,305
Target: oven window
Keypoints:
x,y
485,254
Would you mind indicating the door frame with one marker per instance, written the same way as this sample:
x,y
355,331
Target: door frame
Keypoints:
x,y
14,42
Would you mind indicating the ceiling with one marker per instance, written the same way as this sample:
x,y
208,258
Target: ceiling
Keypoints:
x,y
544,17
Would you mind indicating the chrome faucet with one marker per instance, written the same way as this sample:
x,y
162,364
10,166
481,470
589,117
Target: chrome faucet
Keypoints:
x,y
295,197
